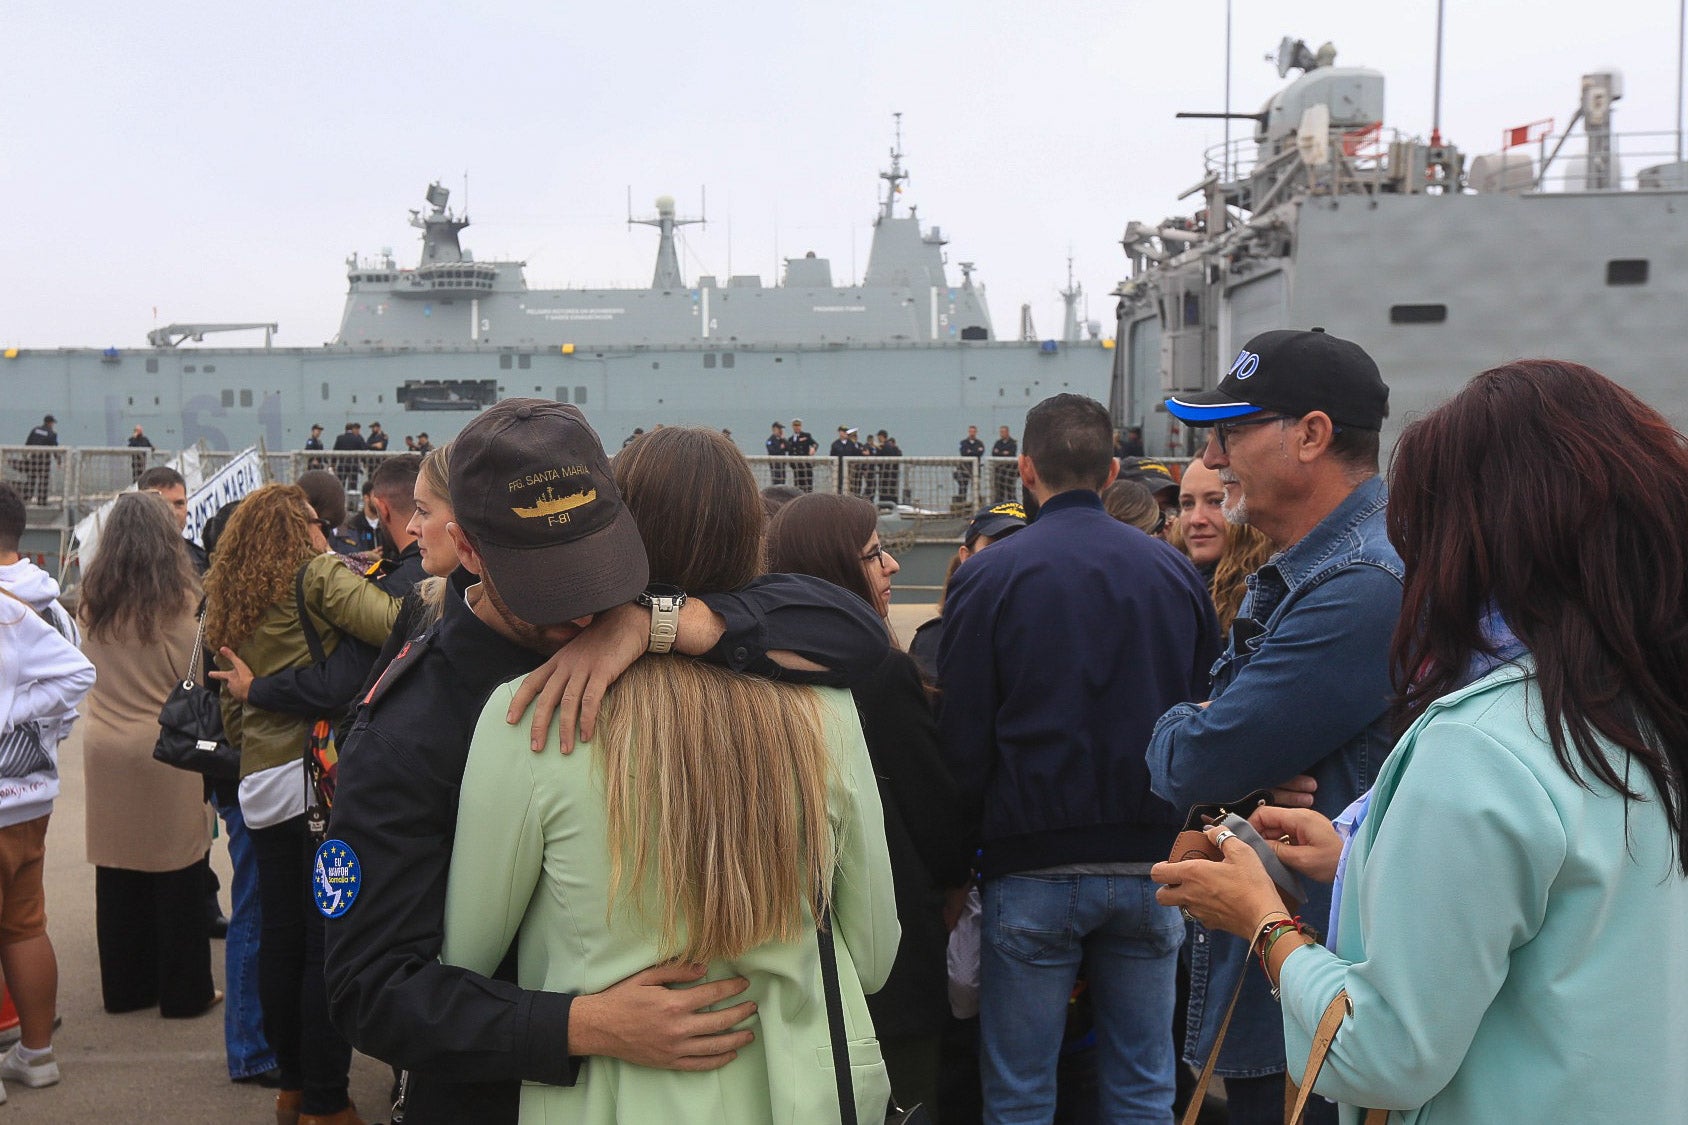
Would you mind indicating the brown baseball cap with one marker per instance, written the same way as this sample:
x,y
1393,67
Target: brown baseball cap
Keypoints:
x,y
531,485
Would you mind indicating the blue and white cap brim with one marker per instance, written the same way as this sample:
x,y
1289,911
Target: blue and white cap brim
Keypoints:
x,y
1207,413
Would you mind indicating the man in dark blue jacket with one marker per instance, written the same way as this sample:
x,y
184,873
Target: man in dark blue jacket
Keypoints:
x,y
1062,646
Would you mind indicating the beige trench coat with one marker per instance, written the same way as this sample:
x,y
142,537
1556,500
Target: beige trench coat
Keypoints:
x,y
142,815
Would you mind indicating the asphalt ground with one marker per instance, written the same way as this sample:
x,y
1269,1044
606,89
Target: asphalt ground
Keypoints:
x,y
139,1067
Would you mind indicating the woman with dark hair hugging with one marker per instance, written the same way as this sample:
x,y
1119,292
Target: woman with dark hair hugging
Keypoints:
x,y
1502,940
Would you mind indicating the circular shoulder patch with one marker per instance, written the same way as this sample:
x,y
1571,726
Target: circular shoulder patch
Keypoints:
x,y
335,878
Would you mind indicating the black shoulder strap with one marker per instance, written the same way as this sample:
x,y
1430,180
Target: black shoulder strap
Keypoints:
x,y
312,640
835,1020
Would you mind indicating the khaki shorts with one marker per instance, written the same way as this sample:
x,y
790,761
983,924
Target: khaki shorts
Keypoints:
x,y
23,899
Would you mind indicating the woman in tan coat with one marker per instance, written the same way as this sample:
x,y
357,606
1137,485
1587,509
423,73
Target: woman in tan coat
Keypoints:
x,y
148,824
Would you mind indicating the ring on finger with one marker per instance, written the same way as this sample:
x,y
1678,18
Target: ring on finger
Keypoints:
x,y
1224,834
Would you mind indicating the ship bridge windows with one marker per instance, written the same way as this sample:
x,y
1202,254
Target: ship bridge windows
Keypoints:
x,y
152,367
506,361
246,398
1626,271
1418,314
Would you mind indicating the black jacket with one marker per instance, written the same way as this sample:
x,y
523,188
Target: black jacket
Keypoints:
x,y
927,839
349,441
468,1041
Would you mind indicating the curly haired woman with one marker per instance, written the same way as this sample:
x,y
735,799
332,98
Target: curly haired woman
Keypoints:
x,y
274,546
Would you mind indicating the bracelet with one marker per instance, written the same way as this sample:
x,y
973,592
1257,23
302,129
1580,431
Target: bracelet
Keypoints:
x,y
1270,919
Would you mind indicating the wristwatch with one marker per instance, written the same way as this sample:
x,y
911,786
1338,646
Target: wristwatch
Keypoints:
x,y
664,602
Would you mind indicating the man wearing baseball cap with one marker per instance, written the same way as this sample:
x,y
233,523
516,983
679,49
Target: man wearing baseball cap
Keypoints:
x,y
1300,697
545,544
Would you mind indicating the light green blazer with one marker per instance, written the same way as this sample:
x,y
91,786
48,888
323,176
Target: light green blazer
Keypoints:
x,y
531,862
1512,942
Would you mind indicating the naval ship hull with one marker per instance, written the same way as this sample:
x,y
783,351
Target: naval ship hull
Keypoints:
x,y
925,395
1439,288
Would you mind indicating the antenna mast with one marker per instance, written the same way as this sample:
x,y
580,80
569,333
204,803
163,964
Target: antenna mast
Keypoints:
x,y
896,176
1436,105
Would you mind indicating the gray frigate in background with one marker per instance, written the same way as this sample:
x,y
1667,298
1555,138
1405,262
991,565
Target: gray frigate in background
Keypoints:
x,y
423,347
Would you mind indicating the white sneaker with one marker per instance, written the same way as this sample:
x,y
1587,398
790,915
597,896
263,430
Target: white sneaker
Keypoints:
x,y
41,1072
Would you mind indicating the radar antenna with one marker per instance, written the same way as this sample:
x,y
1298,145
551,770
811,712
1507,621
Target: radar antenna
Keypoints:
x,y
896,177
667,275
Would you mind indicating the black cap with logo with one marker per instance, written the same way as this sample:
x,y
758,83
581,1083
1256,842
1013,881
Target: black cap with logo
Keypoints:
x,y
1151,473
995,522
531,486
1294,372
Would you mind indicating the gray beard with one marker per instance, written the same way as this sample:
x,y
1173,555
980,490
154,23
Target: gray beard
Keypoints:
x,y
1234,514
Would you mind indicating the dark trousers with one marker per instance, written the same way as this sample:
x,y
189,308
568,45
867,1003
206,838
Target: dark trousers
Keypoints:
x,y
1260,1101
313,1057
154,950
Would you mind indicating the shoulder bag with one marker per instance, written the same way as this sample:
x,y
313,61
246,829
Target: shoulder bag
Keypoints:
x,y
915,1114
321,753
190,725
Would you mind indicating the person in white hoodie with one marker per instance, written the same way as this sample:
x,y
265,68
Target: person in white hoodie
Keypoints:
x,y
42,679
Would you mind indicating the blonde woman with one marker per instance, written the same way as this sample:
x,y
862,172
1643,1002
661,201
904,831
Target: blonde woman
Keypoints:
x,y
710,820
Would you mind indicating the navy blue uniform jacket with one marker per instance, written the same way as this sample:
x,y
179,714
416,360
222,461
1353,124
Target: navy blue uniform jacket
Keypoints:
x,y
1062,645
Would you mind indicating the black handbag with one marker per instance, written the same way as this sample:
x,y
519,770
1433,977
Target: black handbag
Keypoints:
x,y
190,725
915,1114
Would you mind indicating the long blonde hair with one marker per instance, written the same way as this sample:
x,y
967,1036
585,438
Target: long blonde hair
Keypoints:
x,y
715,783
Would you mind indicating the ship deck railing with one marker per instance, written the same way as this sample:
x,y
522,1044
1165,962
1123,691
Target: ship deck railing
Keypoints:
x,y
1359,162
919,499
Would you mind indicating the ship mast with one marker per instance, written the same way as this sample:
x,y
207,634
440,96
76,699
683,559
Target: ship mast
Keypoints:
x,y
896,176
667,275
1071,294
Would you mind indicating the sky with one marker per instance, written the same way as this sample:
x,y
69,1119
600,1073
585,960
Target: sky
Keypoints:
x,y
218,162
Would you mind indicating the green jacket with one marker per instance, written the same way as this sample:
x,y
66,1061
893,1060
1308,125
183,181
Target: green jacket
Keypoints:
x,y
1508,938
340,600
531,858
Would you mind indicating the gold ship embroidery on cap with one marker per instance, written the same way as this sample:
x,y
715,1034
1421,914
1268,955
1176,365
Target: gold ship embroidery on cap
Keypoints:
x,y
548,503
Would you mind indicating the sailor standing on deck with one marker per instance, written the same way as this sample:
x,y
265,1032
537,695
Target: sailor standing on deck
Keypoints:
x,y
38,467
777,446
802,444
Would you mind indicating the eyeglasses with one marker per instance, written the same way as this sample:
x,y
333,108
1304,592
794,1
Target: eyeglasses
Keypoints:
x,y
1222,430
878,555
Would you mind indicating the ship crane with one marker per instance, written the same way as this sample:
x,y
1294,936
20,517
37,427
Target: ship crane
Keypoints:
x,y
174,335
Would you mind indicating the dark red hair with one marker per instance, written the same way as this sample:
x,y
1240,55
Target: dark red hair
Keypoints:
x,y
1546,491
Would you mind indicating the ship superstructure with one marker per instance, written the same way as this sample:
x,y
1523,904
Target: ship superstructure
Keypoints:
x,y
1439,265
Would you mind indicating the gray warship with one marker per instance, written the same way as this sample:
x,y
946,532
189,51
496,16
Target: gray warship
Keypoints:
x,y
1439,265
421,348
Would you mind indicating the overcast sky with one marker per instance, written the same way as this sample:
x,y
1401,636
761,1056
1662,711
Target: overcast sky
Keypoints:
x,y
218,162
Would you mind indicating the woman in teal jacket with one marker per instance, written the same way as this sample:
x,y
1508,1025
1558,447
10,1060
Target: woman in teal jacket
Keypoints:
x,y
709,820
1506,903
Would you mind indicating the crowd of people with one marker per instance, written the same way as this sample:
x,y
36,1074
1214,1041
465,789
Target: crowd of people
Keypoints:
x,y
581,788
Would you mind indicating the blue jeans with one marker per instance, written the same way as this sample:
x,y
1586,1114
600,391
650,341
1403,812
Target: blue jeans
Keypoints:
x,y
1037,929
243,1014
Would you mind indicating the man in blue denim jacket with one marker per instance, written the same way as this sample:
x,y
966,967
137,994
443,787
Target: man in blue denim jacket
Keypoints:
x,y
1302,689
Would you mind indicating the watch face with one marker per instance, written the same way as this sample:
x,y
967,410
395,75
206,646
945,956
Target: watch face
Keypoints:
x,y
663,591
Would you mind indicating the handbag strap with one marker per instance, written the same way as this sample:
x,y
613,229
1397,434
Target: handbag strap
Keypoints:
x,y
312,640
1295,1097
195,668
835,1019
1199,1094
